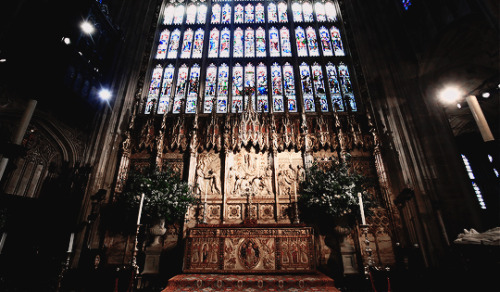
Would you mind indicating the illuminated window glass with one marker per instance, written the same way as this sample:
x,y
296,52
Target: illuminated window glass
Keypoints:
x,y
319,87
320,11
238,14
326,44
249,13
260,42
338,47
475,187
274,42
289,87
202,14
226,14
216,13
198,43
307,90
222,88
272,12
277,88
330,11
174,44
168,15
213,45
166,90
187,44
237,89
262,99
297,12
210,88
238,43
224,43
179,14
249,43
307,11
312,43
282,14
161,53
191,14
334,86
249,85
154,89
301,42
192,94
259,13
346,86
180,89
286,46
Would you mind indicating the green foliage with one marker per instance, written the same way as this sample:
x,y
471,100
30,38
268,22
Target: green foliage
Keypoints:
x,y
166,195
329,194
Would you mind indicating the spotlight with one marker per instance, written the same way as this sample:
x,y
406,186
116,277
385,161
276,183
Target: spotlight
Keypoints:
x,y
87,27
459,105
105,94
485,94
450,94
66,41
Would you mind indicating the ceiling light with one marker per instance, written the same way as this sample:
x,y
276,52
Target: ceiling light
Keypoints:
x,y
450,94
87,27
105,94
485,94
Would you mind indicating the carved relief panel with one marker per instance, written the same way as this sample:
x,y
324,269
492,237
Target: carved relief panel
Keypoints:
x,y
208,177
290,172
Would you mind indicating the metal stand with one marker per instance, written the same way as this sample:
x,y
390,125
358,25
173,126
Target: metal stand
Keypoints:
x,y
135,267
64,268
368,250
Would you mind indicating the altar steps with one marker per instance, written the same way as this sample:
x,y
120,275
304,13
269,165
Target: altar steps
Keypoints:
x,y
249,282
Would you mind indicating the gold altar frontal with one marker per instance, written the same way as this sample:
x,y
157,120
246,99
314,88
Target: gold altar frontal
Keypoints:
x,y
258,249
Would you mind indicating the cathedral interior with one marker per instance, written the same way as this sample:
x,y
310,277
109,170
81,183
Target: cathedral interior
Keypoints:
x,y
240,99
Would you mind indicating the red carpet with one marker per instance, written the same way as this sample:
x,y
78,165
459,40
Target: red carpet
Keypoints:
x,y
224,282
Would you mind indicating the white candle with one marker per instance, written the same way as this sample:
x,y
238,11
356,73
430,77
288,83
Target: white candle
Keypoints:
x,y
2,241
140,210
363,220
71,238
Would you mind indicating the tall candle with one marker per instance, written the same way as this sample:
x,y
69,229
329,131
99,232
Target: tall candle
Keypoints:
x,y
140,209
363,220
71,238
2,241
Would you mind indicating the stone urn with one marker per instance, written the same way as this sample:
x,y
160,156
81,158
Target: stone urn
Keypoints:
x,y
157,231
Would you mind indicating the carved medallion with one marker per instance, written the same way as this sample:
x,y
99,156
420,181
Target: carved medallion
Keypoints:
x,y
249,254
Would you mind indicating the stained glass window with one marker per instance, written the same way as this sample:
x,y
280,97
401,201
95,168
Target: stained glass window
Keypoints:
x,y
297,12
238,14
166,90
154,89
210,88
249,43
334,86
192,94
320,11
307,90
226,14
345,84
187,43
286,46
222,88
249,85
301,42
319,87
174,44
289,86
198,43
224,43
179,14
180,89
312,43
307,11
216,13
260,42
277,88
338,48
282,14
161,53
272,12
331,12
249,13
237,89
274,42
238,43
326,44
259,13
213,45
168,15
191,14
262,100
202,14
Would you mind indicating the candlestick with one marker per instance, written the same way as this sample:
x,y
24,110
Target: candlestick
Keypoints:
x,y
362,210
2,241
140,209
71,238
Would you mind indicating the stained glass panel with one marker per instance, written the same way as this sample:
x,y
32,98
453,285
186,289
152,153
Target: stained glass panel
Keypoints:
x,y
202,14
320,11
262,100
249,85
259,13
319,87
222,88
216,13
277,88
260,42
249,13
338,48
224,43
194,83
179,14
210,88
345,84
187,43
168,15
286,46
272,12
213,45
249,43
237,88
191,14
238,14
301,42
166,90
334,86
282,14
238,43
226,14
198,43
274,43
289,86
161,53
331,12
180,89
307,11
312,43
305,78
154,88
326,44
174,44
297,12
